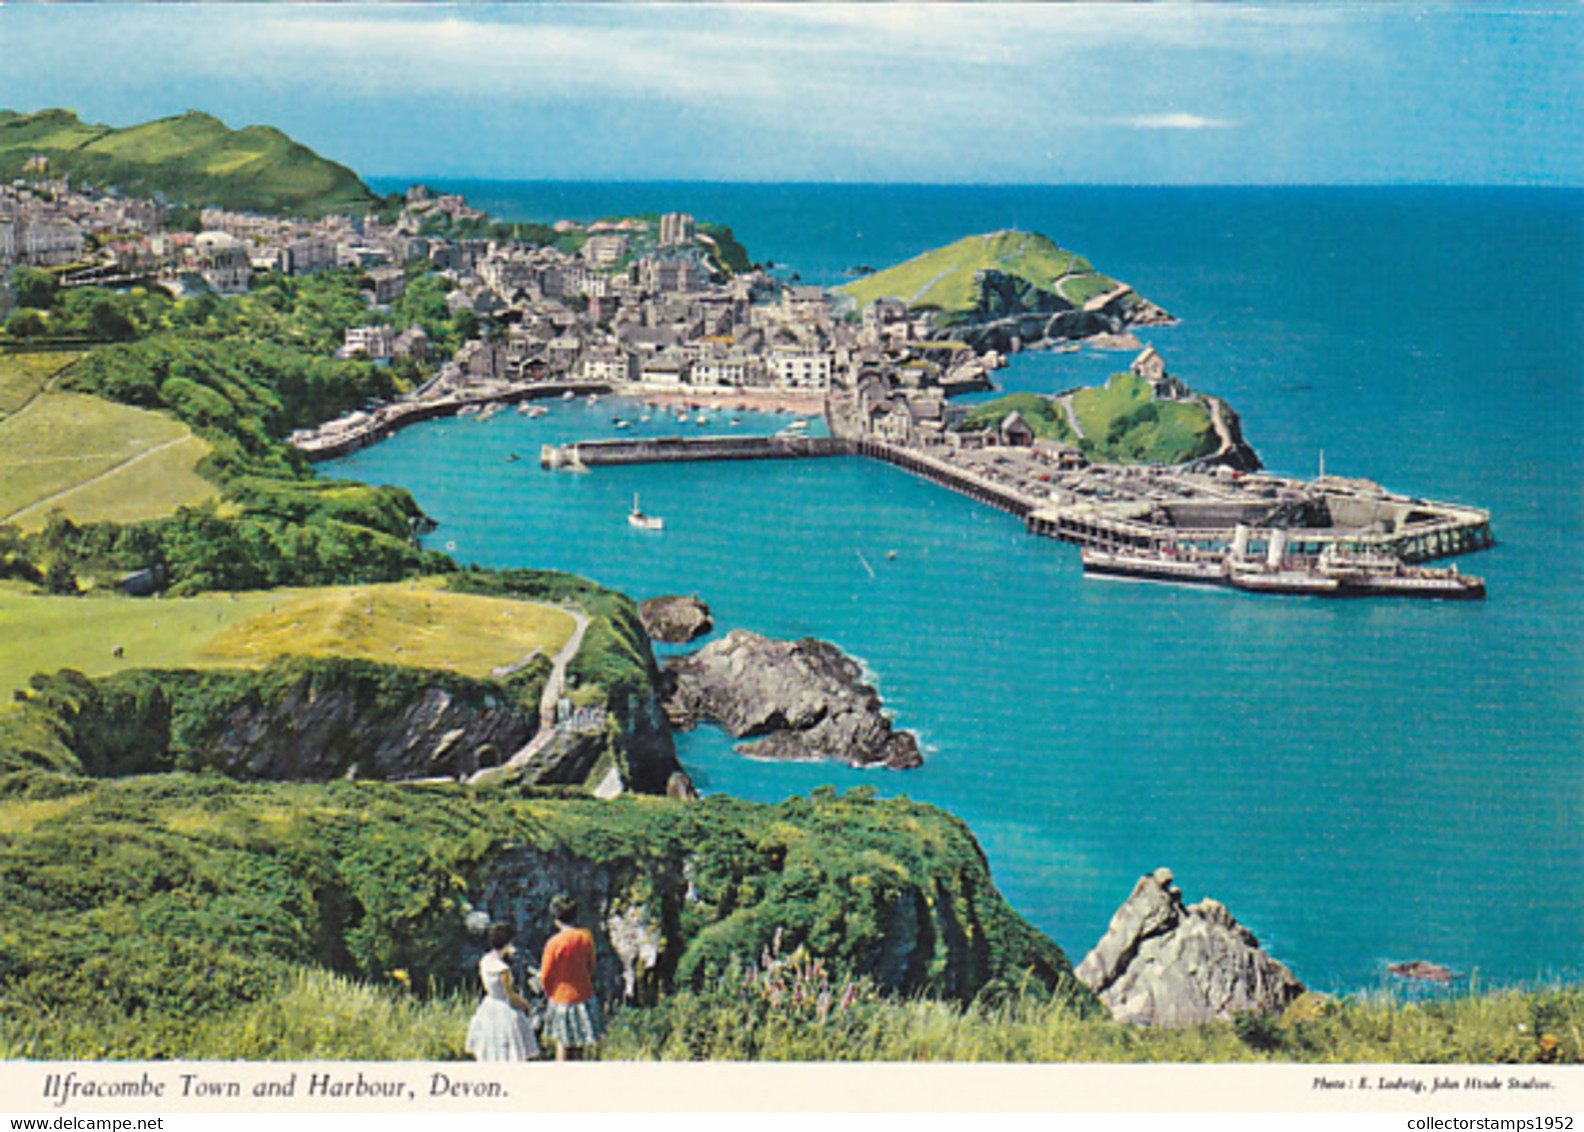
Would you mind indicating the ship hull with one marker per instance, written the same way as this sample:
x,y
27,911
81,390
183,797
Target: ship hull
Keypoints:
x,y
1154,570
1287,582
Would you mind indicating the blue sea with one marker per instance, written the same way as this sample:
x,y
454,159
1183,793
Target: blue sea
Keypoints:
x,y
1359,782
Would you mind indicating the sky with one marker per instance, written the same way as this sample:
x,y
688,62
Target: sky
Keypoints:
x,y
940,93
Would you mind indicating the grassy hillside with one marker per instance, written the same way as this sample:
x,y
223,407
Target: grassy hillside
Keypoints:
x,y
1121,422
951,279
43,634
193,158
94,459
174,916
416,624
24,376
412,624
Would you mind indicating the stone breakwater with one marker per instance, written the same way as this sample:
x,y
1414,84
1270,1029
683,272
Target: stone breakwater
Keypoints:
x,y
799,700
677,450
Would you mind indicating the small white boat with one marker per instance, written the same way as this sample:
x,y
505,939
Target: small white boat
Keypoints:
x,y
701,419
644,522
644,419
568,395
621,423
593,398
735,421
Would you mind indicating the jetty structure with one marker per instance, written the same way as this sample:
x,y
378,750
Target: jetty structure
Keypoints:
x,y
1216,519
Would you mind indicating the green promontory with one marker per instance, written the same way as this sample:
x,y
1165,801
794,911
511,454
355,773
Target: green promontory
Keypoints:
x,y
990,276
194,158
1121,422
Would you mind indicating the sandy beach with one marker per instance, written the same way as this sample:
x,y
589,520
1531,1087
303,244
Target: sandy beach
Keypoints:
x,y
749,400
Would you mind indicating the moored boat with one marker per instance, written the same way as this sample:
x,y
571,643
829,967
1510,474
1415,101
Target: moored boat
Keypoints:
x,y
644,522
1154,566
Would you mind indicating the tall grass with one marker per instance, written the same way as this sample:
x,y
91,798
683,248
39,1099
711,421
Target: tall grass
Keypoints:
x,y
317,1015
1516,1027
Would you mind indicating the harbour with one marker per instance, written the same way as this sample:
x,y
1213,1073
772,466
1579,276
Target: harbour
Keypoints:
x,y
1087,732
1195,524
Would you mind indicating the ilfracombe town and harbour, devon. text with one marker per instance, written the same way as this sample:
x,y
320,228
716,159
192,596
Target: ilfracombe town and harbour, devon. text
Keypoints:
x,y
345,761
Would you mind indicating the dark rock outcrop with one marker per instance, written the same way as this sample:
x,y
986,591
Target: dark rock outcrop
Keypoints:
x,y
318,731
800,700
1162,963
675,620
1056,321
683,895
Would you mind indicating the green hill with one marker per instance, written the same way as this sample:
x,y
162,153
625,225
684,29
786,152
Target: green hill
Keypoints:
x,y
1121,422
991,275
194,158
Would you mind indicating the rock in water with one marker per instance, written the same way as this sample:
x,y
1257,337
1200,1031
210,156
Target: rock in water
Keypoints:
x,y
675,620
800,700
1162,963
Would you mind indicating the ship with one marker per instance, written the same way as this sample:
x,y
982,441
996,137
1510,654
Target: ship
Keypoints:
x,y
644,522
1155,566
1333,573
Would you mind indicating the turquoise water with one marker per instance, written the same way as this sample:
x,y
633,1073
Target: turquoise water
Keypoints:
x,y
1361,782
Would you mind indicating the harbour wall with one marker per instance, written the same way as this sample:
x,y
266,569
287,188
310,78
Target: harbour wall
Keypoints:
x,y
393,417
947,475
677,450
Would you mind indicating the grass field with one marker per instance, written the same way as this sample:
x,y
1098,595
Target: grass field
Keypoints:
x,y
44,634
52,449
419,624
1127,425
22,376
944,278
433,628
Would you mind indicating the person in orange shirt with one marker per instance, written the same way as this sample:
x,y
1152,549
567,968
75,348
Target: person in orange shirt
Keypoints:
x,y
567,974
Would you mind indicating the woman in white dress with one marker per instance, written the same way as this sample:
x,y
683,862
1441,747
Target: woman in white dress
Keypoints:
x,y
500,1030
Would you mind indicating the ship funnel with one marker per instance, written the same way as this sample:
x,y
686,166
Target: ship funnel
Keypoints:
x,y
1240,536
1277,550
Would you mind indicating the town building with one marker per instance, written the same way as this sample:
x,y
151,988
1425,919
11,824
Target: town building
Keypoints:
x,y
223,262
677,228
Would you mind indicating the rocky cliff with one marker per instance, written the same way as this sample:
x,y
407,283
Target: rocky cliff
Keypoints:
x,y
1006,325
222,893
1164,963
799,699
319,719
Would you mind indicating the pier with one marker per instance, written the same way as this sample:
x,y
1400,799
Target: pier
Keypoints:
x,y
678,450
1187,509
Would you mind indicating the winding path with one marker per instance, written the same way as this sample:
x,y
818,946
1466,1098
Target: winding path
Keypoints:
x,y
554,689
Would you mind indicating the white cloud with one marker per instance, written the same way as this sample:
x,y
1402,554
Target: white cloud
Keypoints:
x,y
1177,122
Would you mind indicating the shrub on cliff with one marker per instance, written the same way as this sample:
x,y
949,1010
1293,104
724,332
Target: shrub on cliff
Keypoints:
x,y
177,876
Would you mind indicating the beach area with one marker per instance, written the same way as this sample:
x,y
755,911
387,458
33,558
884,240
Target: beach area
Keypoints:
x,y
744,400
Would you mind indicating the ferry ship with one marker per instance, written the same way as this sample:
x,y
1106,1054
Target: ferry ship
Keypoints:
x,y
1155,566
1335,573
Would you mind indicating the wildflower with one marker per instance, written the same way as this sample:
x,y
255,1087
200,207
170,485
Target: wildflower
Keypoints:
x,y
401,975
